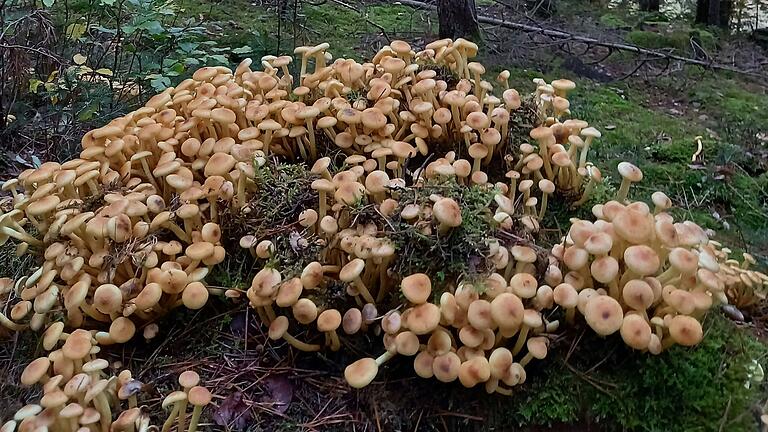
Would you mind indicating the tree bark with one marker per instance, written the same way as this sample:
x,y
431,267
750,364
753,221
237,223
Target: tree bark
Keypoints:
x,y
458,18
649,5
714,12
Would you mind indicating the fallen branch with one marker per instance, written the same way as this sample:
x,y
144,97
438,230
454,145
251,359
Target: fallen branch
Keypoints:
x,y
566,37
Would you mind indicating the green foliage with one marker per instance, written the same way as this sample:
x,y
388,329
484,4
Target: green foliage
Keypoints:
x,y
683,389
654,40
459,253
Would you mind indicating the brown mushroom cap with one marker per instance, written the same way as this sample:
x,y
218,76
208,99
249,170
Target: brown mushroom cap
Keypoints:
x,y
422,319
447,212
635,331
360,373
603,314
416,288
685,330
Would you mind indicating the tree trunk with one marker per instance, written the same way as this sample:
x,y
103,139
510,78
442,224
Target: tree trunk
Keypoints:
x,y
458,18
649,5
714,12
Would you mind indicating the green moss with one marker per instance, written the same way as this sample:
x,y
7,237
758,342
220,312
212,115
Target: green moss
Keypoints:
x,y
459,253
654,40
683,389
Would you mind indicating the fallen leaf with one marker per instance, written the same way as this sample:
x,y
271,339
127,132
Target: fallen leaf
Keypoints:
x,y
280,391
233,413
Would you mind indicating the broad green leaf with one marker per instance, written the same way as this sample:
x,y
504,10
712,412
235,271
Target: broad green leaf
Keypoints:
x,y
219,58
49,3
79,59
107,2
76,30
242,50
104,71
188,46
34,85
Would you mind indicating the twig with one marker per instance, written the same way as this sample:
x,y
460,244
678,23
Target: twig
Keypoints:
x,y
565,36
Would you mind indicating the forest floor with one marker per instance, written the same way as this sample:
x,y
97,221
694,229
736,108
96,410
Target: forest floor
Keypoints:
x,y
653,118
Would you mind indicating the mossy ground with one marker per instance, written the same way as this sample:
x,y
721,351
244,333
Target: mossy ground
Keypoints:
x,y
601,385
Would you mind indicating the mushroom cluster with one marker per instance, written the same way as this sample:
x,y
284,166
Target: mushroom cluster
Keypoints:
x,y
156,200
744,286
471,333
636,271
81,393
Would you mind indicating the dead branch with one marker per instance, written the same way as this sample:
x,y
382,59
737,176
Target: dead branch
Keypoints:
x,y
570,37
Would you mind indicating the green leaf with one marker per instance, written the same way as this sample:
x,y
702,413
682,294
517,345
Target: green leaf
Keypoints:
x,y
188,46
49,3
107,2
79,59
219,58
76,30
154,27
242,50
34,85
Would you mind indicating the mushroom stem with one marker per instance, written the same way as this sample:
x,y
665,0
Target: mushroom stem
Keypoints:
x,y
621,195
196,411
312,146
21,236
299,345
10,325
171,417
358,283
521,337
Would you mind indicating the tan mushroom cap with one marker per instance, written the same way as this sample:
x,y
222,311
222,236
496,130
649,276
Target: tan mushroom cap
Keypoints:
x,y
642,260
507,311
603,314
77,345
447,212
636,332
199,396
416,288
329,320
446,367
474,371
685,330
189,379
35,371
194,296
360,373
422,319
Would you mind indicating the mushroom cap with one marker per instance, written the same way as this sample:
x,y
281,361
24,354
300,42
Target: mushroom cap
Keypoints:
x,y
278,327
122,329
352,270
685,330
35,371
194,296
447,212
683,260
636,332
78,345
407,343
604,314
474,371
446,367
629,171
422,319
632,225
566,295
479,314
416,288
305,311
637,294
604,269
507,311
524,285
189,379
199,396
352,321
642,260
537,347
360,373
329,320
